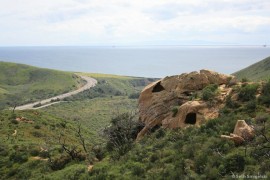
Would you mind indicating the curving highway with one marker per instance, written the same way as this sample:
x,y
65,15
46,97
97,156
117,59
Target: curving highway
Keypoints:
x,y
90,82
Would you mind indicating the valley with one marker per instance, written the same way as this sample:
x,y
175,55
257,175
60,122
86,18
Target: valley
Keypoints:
x,y
92,134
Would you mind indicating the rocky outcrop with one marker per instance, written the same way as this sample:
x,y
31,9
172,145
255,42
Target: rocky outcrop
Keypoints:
x,y
242,132
172,103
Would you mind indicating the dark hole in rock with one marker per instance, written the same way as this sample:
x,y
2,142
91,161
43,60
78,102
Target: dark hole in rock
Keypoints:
x,y
187,93
191,118
136,130
156,127
158,87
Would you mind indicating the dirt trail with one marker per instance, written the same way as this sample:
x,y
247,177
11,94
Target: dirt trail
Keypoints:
x,y
90,82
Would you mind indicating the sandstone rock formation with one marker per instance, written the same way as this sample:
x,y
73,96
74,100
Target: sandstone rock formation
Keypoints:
x,y
171,102
241,133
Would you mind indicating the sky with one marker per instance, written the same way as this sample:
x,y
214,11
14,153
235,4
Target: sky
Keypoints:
x,y
134,22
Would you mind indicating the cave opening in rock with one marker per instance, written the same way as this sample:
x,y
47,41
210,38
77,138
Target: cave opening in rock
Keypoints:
x,y
191,118
158,87
155,128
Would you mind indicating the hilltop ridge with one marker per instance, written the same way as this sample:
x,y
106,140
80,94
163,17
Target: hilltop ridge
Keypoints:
x,y
22,84
257,71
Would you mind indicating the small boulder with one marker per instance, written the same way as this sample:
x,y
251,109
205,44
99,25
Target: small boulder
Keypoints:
x,y
90,168
242,132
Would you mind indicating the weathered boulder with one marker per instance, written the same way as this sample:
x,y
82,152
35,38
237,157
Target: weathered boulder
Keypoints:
x,y
176,93
90,168
241,133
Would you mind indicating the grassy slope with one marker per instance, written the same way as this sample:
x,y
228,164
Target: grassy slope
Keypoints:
x,y
96,106
23,83
92,108
94,114
16,158
257,71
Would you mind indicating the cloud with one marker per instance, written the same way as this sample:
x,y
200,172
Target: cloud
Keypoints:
x,y
83,22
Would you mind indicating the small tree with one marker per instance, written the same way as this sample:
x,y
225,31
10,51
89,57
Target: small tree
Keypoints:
x,y
121,133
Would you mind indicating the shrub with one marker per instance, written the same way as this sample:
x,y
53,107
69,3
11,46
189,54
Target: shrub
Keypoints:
x,y
19,157
264,100
12,116
265,96
98,152
261,118
231,104
174,111
37,134
134,95
59,163
209,92
266,89
251,106
248,92
244,80
44,154
37,127
136,168
3,150
234,163
34,152
160,133
122,132
14,121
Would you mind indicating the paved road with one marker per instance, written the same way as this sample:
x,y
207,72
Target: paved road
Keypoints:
x,y
90,82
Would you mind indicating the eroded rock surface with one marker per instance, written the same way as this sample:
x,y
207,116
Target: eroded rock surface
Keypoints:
x,y
172,103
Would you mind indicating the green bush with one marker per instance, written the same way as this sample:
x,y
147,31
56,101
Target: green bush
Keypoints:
x,y
261,118
37,127
18,157
266,89
34,152
12,116
37,134
3,150
122,132
264,100
209,92
44,154
134,95
174,111
160,133
234,163
60,162
251,106
231,104
248,92
136,168
265,96
244,80
14,121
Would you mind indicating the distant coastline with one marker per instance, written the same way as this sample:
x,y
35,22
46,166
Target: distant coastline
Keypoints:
x,y
147,61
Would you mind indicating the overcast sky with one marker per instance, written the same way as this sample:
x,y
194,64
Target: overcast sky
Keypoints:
x,y
134,22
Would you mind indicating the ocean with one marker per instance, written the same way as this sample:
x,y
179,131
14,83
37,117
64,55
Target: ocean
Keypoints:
x,y
152,61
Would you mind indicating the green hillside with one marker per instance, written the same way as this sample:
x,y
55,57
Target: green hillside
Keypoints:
x,y
22,83
257,71
99,127
93,109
